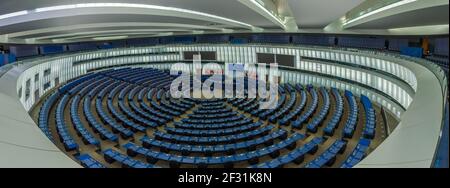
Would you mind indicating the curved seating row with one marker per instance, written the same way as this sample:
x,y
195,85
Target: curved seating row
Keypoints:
x,y
88,162
296,156
317,120
214,132
337,114
208,149
328,157
252,156
96,126
213,140
81,130
352,117
61,126
358,153
44,112
297,110
242,122
127,162
370,123
290,104
298,123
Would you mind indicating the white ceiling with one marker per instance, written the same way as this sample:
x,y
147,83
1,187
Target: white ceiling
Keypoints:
x,y
309,15
320,13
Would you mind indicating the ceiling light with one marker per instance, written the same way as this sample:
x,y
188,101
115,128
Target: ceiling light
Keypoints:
x,y
421,30
14,14
110,38
393,5
122,5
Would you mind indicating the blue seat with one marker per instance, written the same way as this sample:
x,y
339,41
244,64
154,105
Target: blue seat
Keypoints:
x,y
88,162
153,156
61,127
317,120
296,155
328,157
352,118
112,156
358,153
298,123
370,119
88,138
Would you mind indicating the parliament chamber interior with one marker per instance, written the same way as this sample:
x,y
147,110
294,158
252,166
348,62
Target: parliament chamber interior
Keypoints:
x,y
93,84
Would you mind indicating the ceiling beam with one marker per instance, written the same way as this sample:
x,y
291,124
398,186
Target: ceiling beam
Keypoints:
x,y
15,37
270,10
109,31
399,7
114,8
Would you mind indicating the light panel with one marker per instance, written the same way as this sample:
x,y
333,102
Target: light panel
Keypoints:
x,y
14,14
393,5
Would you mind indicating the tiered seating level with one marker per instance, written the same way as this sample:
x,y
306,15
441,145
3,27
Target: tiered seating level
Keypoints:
x,y
126,118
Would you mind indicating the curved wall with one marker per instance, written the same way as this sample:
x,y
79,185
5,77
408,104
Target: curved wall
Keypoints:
x,y
396,83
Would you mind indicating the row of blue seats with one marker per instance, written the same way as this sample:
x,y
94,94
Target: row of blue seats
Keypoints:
x,y
298,123
328,157
75,83
236,101
81,130
215,125
209,111
159,95
206,106
266,113
103,82
186,149
213,140
317,120
296,111
252,106
173,107
89,162
164,109
93,83
246,104
352,117
337,114
133,117
296,156
358,153
61,127
156,119
81,85
127,162
370,123
180,103
153,79
214,132
283,111
212,116
107,119
45,111
211,121
143,120
252,156
162,84
96,126
124,120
